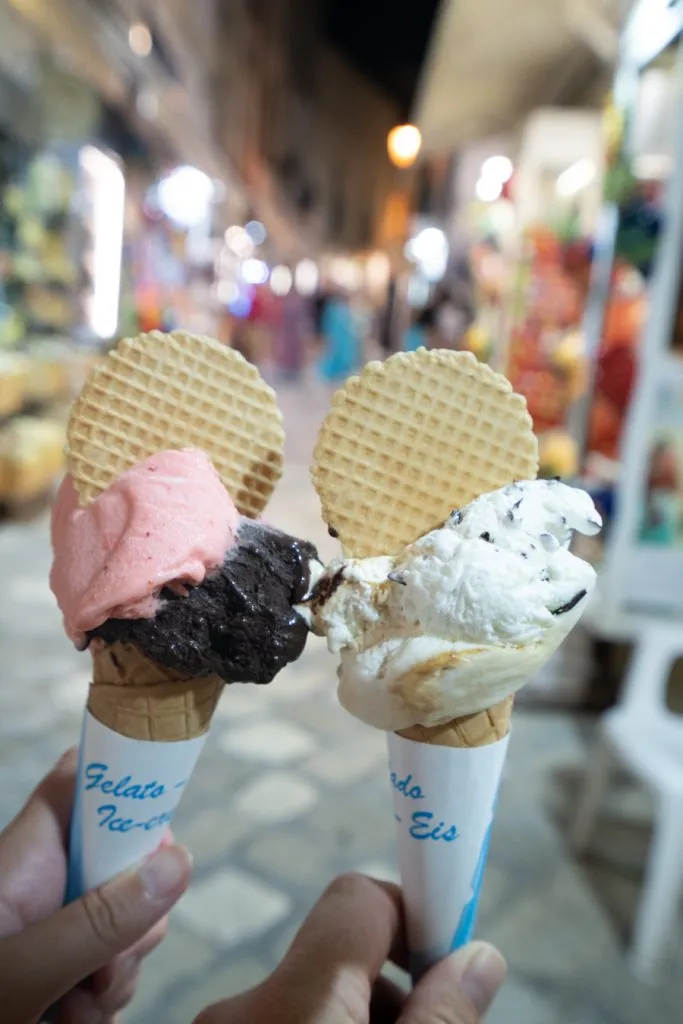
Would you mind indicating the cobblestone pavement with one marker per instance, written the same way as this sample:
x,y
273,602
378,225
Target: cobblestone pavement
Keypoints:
x,y
290,791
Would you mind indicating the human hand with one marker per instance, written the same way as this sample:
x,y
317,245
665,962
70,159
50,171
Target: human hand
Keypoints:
x,y
331,974
48,951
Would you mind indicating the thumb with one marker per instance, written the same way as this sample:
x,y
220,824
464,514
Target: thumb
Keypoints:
x,y
459,989
51,956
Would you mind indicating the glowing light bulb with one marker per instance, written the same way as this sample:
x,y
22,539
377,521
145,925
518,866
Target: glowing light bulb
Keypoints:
x,y
403,145
140,39
281,280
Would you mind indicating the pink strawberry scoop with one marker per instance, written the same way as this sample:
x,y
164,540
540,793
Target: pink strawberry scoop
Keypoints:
x,y
163,560
167,519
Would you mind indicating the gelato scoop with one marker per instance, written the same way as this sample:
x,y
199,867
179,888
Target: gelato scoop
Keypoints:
x,y
163,560
464,616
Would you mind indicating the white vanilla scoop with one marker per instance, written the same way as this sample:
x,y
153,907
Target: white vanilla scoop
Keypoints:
x,y
463,617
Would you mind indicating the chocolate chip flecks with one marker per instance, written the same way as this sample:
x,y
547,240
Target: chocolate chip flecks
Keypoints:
x,y
486,536
396,577
456,516
326,586
570,604
332,532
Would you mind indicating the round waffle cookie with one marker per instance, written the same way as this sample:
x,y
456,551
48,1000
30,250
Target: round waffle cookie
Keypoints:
x,y
411,439
163,391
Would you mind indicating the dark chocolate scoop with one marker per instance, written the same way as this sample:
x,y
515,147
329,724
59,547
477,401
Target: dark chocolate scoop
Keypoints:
x,y
239,623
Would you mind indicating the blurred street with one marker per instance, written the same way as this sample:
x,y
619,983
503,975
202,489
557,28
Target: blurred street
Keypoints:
x,y
291,791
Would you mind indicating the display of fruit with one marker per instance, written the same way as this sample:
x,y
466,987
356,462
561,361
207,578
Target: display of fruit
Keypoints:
x,y
478,341
557,455
31,457
13,376
568,358
546,398
605,429
616,375
624,318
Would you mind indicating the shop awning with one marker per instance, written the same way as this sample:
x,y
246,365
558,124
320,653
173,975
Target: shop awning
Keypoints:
x,y
491,61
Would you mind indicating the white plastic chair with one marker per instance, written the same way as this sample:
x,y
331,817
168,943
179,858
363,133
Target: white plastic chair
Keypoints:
x,y
648,739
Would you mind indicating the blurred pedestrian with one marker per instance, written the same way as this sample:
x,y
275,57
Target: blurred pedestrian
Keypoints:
x,y
293,335
341,339
421,330
388,319
660,523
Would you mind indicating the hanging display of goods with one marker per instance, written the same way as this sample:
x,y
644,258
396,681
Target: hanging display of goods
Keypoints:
x,y
547,361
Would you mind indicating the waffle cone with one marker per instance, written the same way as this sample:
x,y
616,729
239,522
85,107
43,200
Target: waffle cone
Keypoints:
x,y
144,701
477,730
412,438
162,391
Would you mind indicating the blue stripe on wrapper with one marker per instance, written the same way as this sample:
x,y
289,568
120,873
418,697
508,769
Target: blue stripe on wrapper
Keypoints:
x,y
465,929
74,883
421,962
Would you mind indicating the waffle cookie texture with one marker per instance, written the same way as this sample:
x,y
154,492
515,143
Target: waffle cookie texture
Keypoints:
x,y
409,440
161,391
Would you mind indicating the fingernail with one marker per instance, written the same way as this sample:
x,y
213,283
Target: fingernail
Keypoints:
x,y
165,871
482,971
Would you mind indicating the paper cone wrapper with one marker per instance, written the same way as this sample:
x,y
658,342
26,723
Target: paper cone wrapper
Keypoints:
x,y
130,779
444,804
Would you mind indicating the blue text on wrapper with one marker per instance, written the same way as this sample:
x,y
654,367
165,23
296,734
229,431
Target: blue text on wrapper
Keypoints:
x,y
406,787
423,825
125,788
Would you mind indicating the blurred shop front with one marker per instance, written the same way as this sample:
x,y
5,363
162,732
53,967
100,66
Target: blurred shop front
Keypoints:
x,y
564,206
61,219
95,239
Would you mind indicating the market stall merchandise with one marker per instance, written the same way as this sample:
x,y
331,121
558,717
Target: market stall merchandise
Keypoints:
x,y
31,459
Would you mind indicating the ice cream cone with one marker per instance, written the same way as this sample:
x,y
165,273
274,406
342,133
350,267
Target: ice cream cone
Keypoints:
x,y
161,391
145,725
406,443
425,468
139,699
